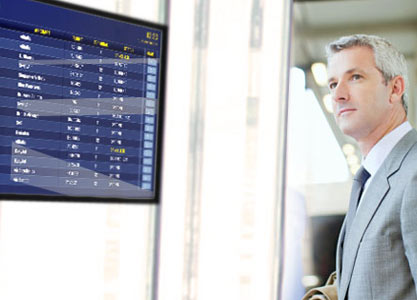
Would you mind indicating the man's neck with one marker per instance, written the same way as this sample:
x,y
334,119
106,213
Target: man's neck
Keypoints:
x,y
366,144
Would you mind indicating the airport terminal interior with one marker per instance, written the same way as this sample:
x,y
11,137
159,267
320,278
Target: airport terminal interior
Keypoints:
x,y
242,179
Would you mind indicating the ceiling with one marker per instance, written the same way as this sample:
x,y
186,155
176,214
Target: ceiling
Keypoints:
x,y
316,23
319,22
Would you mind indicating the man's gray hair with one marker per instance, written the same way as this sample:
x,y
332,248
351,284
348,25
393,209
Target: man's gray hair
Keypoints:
x,y
388,59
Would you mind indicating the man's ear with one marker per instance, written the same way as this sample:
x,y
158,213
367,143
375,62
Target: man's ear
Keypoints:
x,y
397,89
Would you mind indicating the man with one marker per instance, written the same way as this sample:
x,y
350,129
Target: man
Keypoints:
x,y
377,247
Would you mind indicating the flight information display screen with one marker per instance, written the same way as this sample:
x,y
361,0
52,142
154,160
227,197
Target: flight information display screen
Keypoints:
x,y
81,97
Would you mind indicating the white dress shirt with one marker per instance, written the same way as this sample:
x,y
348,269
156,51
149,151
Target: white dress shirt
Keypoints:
x,y
373,161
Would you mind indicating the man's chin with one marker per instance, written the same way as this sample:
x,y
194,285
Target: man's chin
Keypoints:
x,y
347,130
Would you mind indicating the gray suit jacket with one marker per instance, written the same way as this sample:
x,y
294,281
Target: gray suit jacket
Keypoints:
x,y
377,258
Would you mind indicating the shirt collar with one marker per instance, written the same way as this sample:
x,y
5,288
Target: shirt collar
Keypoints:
x,y
373,161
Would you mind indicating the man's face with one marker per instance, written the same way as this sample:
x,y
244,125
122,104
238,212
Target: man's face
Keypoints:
x,y
360,96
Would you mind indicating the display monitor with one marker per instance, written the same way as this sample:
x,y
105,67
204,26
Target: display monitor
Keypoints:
x,y
81,102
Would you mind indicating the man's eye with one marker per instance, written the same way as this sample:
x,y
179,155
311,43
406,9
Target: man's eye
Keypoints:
x,y
356,77
332,85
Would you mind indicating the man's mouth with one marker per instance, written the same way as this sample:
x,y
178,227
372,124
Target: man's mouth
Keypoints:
x,y
345,110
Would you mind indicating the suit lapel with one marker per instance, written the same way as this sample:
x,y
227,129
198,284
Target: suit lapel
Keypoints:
x,y
345,226
348,244
339,252
374,196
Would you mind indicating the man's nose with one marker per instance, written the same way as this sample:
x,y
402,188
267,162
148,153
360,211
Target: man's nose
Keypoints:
x,y
341,92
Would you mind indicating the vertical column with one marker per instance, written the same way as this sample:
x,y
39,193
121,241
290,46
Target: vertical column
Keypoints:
x,y
20,155
97,140
72,116
33,84
119,158
149,121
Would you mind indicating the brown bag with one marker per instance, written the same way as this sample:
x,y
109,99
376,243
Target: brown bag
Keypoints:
x,y
326,292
